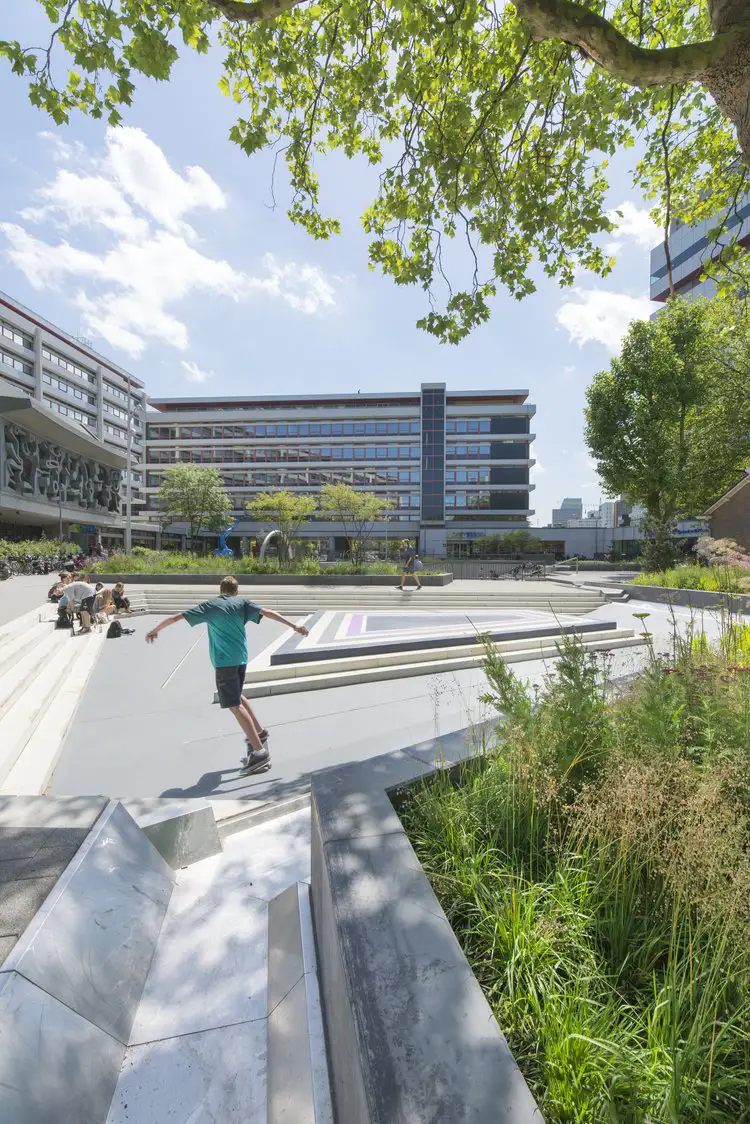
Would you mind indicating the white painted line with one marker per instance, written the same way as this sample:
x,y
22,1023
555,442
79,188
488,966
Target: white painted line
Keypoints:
x,y
179,665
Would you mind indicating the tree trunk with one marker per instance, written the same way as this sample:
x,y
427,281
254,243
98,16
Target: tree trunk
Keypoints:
x,y
729,81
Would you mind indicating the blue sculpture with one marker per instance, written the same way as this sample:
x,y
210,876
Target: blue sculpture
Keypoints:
x,y
225,551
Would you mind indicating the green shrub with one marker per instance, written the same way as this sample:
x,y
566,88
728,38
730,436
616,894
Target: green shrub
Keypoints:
x,y
41,548
595,870
713,579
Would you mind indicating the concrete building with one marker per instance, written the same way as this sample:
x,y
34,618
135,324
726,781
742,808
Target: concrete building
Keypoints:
x,y
570,508
57,392
693,249
452,463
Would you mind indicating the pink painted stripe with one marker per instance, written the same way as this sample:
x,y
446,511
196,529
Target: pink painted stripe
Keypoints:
x,y
356,625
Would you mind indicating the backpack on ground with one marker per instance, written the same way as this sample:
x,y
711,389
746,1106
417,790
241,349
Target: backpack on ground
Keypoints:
x,y
114,631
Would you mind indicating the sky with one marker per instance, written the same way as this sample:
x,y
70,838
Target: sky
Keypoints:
x,y
159,242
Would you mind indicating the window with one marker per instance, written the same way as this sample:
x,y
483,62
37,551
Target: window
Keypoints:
x,y
68,365
115,431
69,388
14,334
19,365
118,392
116,411
70,412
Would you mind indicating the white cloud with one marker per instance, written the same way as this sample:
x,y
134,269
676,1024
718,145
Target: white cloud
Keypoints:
x,y
73,200
132,199
194,372
601,315
633,223
145,176
537,469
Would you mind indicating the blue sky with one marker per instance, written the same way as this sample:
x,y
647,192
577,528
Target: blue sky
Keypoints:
x,y
158,242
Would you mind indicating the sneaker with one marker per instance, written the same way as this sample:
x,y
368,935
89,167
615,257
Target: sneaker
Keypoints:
x,y
256,762
263,735
255,757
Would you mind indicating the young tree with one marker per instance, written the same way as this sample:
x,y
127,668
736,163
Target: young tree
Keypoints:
x,y
491,122
194,494
356,511
669,422
287,510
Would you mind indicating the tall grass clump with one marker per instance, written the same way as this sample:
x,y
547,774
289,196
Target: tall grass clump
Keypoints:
x,y
713,579
596,871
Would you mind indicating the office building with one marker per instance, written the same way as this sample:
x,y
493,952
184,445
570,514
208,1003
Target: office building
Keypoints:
x,y
71,422
570,508
453,464
693,250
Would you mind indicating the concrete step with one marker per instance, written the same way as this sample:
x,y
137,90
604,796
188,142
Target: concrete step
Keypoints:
x,y
24,671
415,656
18,625
45,732
541,649
32,699
20,644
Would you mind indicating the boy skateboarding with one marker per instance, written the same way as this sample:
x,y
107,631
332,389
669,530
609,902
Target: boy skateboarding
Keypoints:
x,y
226,617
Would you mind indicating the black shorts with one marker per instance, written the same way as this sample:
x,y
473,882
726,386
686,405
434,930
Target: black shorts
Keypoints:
x,y
229,684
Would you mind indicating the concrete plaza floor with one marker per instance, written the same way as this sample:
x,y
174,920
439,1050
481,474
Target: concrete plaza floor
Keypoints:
x,y
148,726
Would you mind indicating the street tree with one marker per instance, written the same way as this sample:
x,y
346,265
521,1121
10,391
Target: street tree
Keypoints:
x,y
668,423
358,512
287,511
194,494
491,124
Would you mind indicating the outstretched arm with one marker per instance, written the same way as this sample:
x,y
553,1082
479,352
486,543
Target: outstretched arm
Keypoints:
x,y
272,616
151,636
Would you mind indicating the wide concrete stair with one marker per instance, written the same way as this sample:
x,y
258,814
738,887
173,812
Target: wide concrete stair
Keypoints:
x,y
301,600
43,672
166,974
282,679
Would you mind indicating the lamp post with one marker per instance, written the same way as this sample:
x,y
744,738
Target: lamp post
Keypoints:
x,y
386,535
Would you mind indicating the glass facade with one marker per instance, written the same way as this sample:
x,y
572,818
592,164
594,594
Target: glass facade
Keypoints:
x,y
433,454
438,458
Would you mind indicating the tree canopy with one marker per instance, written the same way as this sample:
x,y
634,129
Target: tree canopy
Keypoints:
x,y
669,422
490,122
357,511
195,494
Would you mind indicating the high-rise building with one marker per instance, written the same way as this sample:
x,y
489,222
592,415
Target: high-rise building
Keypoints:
x,y
64,409
451,463
694,248
570,508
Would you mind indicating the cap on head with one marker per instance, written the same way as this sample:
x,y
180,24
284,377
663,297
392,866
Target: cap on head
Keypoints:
x,y
229,586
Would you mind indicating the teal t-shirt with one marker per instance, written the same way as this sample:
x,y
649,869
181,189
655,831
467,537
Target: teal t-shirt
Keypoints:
x,y
226,617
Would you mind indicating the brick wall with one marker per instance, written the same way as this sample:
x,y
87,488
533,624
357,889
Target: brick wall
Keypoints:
x,y
732,519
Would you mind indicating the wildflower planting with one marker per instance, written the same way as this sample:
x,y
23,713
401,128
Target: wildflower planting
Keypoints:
x,y
596,870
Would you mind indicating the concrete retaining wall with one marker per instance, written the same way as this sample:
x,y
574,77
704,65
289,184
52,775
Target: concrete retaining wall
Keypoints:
x,y
269,579
694,598
412,1038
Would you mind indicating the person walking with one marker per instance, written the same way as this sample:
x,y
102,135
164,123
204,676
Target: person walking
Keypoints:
x,y
226,617
410,564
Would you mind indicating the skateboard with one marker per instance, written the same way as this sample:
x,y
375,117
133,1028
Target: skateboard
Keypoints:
x,y
250,770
